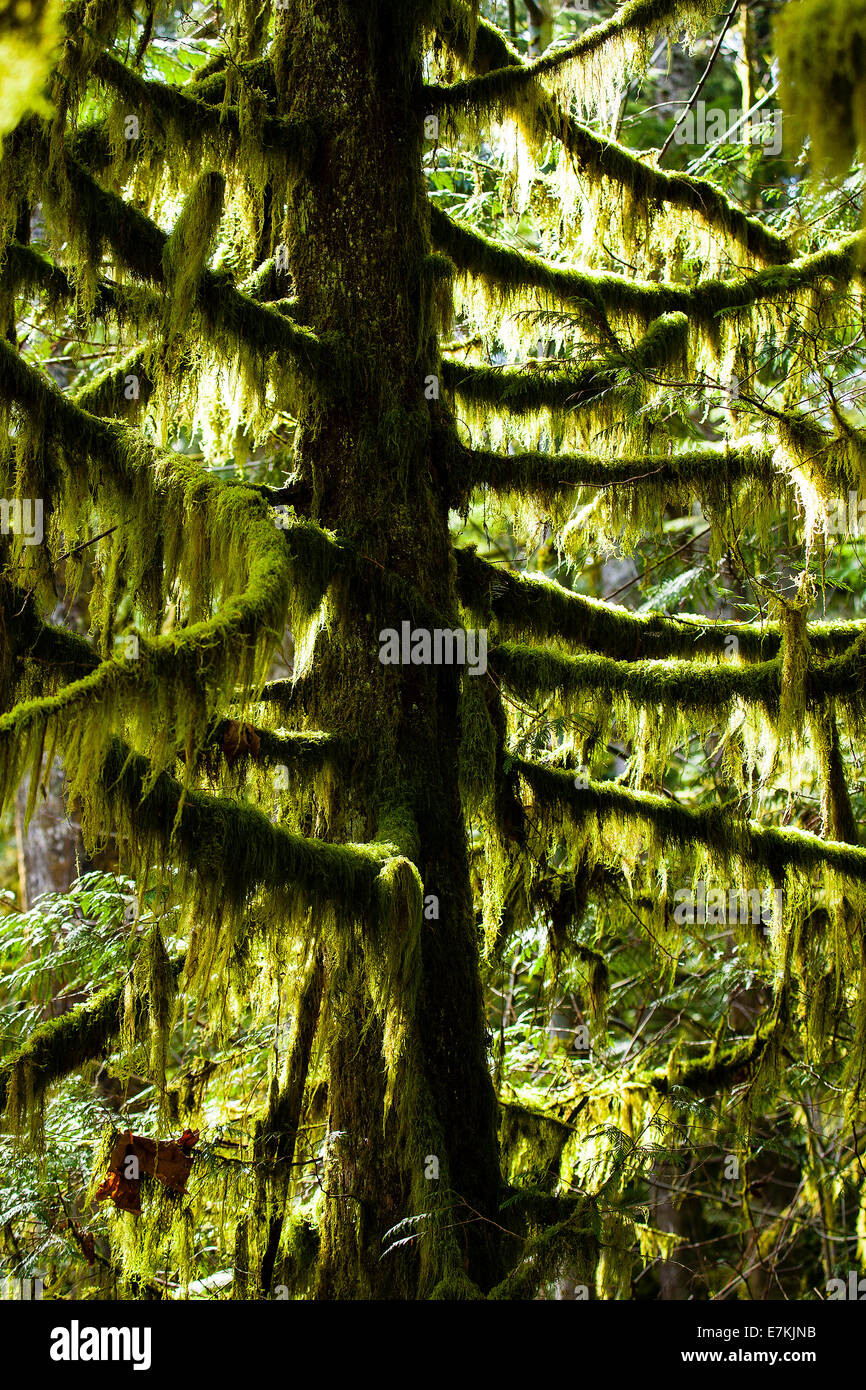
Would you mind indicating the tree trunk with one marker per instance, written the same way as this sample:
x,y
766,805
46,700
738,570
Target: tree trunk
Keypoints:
x,y
50,849
540,26
360,252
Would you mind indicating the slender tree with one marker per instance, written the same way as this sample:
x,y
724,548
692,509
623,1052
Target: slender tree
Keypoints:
x,y
254,245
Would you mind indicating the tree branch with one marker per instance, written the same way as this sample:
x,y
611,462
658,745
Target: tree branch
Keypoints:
x,y
598,157
513,271
540,609
522,390
713,827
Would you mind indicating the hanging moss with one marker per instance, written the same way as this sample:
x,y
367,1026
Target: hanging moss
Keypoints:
x,y
188,248
795,664
546,385
819,45
568,1247
195,527
62,1045
661,702
187,119
532,1145
99,216
108,393
26,269
539,609
588,64
690,684
675,696
714,827
722,1069
837,815
513,272
605,160
642,484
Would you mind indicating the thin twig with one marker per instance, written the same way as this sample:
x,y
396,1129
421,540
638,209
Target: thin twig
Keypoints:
x,y
67,554
702,81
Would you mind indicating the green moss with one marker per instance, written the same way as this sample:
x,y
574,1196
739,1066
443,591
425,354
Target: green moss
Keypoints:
x,y
601,160
91,217
539,609
636,486
819,45
108,393
188,248
546,386
628,35
173,521
670,823
569,1247
62,1045
514,272
671,690
199,122
722,1069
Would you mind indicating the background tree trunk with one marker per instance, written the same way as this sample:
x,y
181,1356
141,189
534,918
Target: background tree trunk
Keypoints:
x,y
51,851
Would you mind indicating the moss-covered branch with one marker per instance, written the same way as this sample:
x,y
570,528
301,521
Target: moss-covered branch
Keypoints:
x,y
713,827
512,271
120,463
305,753
57,657
190,119
36,654
96,216
538,609
635,25
59,1046
230,846
688,685
25,270
545,475
172,686
691,685
547,386
487,51
719,1068
107,394
192,522
65,655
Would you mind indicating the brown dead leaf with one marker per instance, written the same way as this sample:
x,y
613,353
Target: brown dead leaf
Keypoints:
x,y
239,741
134,1154
123,1192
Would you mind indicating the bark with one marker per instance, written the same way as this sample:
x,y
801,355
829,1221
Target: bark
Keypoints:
x,y
540,26
358,236
50,849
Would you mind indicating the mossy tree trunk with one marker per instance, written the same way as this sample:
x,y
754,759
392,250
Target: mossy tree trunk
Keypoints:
x,y
358,243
